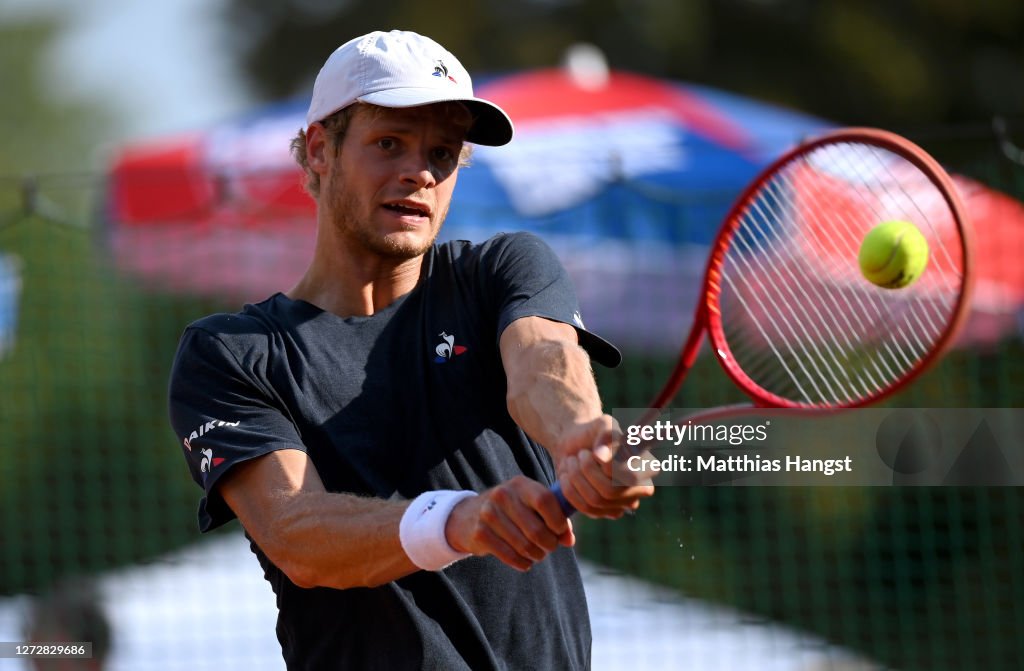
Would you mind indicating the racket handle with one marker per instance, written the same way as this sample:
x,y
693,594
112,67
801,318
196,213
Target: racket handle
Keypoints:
x,y
567,508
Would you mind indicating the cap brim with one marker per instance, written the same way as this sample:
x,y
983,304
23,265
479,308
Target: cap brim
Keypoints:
x,y
599,349
491,126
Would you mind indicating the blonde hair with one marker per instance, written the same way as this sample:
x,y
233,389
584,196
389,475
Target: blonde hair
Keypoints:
x,y
336,125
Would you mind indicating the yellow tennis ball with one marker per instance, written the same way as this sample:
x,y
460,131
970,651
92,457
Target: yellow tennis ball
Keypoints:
x,y
893,254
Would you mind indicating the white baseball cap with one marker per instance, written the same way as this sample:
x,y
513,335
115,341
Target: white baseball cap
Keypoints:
x,y
403,69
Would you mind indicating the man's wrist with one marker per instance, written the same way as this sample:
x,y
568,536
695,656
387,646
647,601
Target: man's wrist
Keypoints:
x,y
422,529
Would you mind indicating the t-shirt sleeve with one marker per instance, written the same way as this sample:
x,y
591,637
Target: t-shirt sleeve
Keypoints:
x,y
222,414
530,281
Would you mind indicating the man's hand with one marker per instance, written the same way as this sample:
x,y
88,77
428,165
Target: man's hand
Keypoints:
x,y
519,522
591,479
553,396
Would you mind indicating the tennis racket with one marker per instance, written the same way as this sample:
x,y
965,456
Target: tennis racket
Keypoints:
x,y
783,303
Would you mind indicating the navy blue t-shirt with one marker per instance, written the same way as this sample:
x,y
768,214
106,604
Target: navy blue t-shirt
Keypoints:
x,y
409,399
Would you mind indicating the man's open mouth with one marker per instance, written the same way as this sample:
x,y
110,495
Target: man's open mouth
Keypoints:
x,y
408,209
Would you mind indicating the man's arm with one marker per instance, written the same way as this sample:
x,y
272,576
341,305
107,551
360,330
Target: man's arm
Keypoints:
x,y
317,538
552,395
324,539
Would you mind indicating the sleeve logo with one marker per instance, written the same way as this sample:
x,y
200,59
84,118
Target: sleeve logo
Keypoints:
x,y
205,429
209,461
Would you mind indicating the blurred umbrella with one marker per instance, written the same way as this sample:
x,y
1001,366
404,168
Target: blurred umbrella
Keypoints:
x,y
626,176
221,212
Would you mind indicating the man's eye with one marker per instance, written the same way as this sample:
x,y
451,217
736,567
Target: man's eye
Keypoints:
x,y
386,143
443,154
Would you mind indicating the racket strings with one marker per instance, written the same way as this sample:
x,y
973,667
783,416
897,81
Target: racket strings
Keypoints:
x,y
907,333
872,302
801,336
798,361
798,318
838,372
912,191
911,199
761,213
848,325
895,354
835,335
903,183
906,339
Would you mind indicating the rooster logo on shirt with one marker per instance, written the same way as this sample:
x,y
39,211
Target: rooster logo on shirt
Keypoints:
x,y
447,348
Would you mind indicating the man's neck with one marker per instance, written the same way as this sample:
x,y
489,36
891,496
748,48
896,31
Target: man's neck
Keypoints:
x,y
351,285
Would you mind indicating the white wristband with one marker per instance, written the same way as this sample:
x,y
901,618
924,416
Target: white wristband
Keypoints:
x,y
421,530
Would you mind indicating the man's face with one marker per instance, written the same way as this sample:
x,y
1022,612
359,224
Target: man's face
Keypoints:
x,y
390,182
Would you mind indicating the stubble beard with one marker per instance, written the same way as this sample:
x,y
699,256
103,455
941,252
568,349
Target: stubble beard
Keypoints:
x,y
343,206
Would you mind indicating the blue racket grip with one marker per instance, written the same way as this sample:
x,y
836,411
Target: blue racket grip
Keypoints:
x,y
567,508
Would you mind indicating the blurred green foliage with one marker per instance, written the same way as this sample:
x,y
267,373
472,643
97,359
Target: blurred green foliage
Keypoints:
x,y
89,477
41,129
909,63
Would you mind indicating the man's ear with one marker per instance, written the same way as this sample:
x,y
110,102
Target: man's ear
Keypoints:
x,y
317,145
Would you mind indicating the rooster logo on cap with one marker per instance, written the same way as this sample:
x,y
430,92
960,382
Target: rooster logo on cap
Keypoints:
x,y
441,71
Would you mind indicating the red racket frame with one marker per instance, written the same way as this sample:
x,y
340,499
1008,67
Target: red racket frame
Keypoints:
x,y
707,316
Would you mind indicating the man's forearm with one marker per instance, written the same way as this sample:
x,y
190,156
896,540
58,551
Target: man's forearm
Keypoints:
x,y
317,538
325,539
552,390
553,396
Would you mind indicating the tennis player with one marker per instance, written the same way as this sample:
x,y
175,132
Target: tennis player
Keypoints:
x,y
388,429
